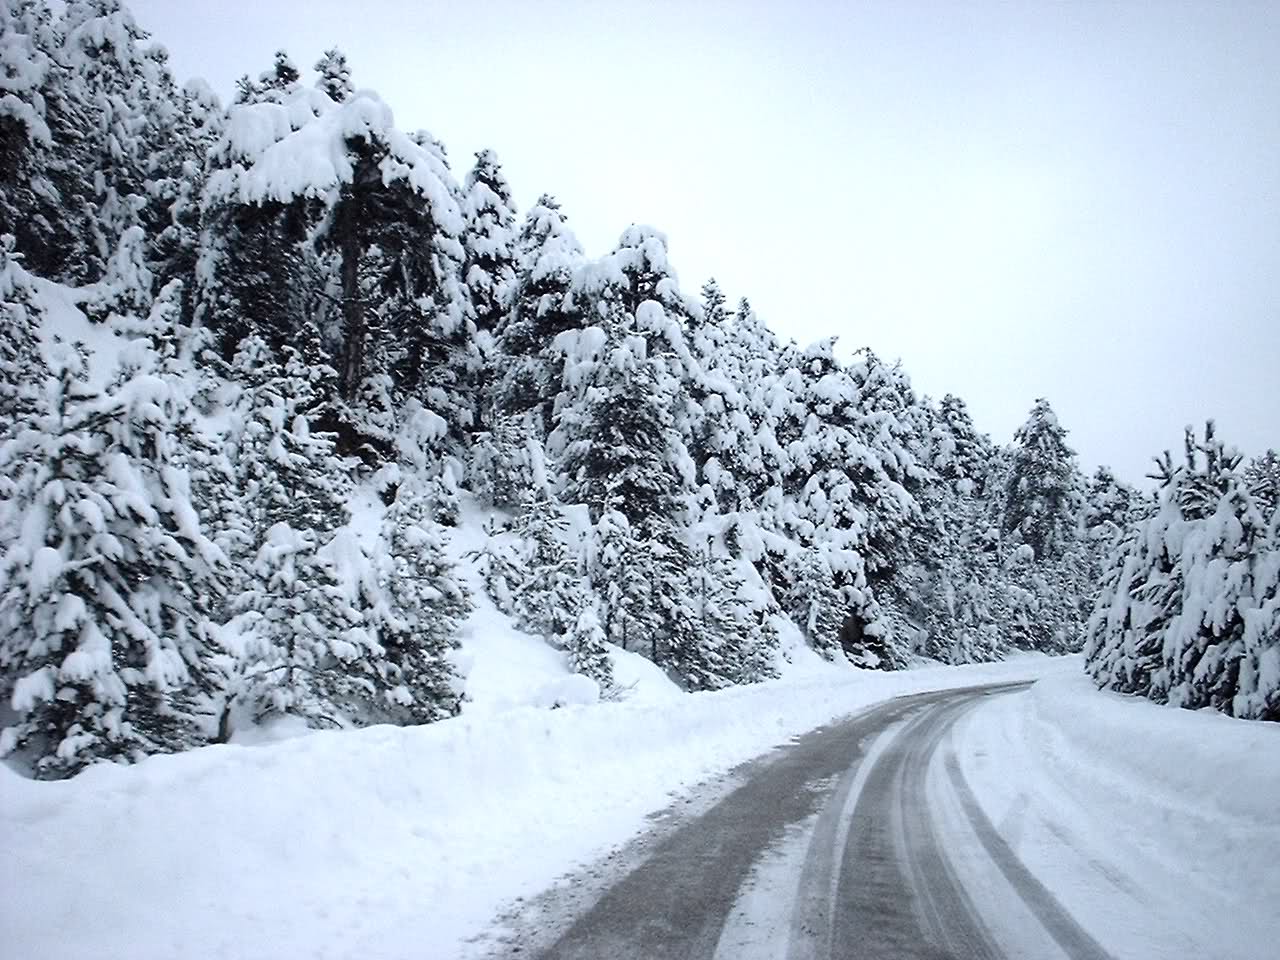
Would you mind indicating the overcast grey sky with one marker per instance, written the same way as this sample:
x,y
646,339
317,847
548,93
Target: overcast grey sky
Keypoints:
x,y
1019,199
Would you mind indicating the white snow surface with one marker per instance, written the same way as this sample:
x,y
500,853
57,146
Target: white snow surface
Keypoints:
x,y
384,842
1157,828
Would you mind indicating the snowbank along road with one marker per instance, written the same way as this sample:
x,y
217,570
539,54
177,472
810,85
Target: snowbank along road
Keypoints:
x,y
861,840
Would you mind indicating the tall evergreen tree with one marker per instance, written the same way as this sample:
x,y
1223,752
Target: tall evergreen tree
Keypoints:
x,y
1186,614
547,255
489,268
82,93
961,454
427,603
814,602
380,201
1040,490
22,366
288,594
489,241
107,581
846,477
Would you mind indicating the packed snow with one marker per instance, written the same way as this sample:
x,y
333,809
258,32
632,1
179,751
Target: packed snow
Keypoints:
x,y
1158,829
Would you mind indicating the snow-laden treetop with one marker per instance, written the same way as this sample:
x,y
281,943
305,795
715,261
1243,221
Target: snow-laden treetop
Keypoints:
x,y
303,144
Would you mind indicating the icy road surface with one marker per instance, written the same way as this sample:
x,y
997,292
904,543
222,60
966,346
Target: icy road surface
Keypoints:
x,y
864,839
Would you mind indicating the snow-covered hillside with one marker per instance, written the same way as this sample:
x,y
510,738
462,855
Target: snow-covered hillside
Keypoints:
x,y
269,368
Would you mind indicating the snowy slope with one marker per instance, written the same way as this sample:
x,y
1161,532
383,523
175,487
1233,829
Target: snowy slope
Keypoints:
x,y
63,318
385,842
1158,828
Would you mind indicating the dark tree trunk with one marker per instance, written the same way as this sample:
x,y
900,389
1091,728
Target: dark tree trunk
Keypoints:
x,y
352,313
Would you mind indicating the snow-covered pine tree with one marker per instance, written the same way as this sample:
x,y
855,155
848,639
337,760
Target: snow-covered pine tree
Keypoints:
x,y
249,268
949,499
107,581
621,570
33,89
714,309
507,466
732,644
547,255
1040,493
620,458
698,659
587,647
548,592
722,441
1139,595
131,102
334,76
82,92
22,367
1221,545
489,239
1257,694
282,76
381,199
497,560
297,621
124,292
1263,477
1187,611
635,287
427,602
1036,495
814,602
960,618
962,455
1108,507
287,472
194,124
171,350
903,522
69,108
617,437
748,464
636,271
294,492
976,613
273,84
845,488
624,453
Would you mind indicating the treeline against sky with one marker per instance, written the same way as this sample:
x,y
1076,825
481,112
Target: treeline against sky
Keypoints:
x,y
333,345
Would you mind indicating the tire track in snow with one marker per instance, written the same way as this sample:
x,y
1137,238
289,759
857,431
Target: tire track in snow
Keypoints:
x,y
898,896
830,848
1075,941
677,902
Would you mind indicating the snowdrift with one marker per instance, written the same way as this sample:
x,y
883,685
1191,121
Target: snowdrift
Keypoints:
x,y
1160,756
383,842
1178,813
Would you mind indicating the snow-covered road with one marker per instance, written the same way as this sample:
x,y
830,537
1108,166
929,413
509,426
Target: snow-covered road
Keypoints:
x,y
869,839
1155,830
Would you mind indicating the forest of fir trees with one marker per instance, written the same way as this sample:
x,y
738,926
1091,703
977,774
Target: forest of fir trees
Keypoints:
x,y
314,303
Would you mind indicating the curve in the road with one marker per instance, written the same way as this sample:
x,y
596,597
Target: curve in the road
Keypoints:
x,y
876,881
